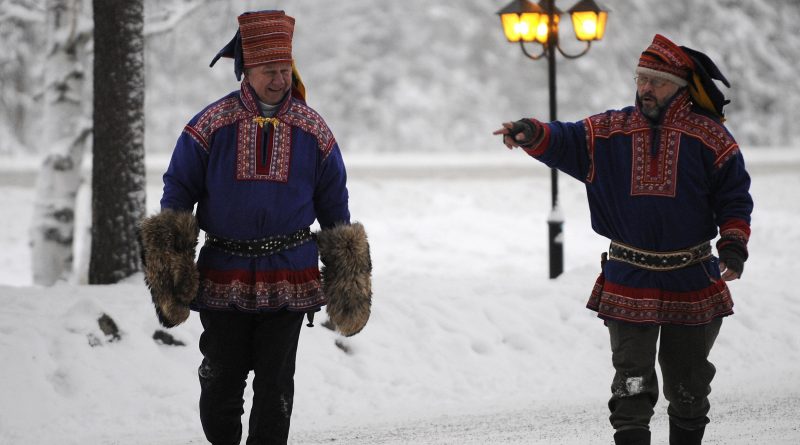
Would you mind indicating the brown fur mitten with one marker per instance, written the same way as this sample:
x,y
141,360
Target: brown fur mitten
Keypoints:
x,y
346,276
168,247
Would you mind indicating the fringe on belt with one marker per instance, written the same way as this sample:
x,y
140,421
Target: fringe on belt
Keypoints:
x,y
260,247
659,261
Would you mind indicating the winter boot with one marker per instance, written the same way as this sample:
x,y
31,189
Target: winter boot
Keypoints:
x,y
636,436
680,436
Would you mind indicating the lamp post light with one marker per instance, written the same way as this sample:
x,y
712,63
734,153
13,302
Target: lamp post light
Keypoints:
x,y
523,22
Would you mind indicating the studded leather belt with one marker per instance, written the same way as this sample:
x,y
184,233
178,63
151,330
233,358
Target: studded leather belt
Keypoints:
x,y
660,261
260,247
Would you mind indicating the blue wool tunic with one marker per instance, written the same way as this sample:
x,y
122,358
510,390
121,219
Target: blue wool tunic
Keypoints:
x,y
253,179
658,187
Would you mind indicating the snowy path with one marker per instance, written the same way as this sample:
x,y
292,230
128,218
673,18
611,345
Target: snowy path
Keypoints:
x,y
742,421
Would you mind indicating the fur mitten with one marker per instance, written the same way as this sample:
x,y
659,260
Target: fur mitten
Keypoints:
x,y
168,242
346,276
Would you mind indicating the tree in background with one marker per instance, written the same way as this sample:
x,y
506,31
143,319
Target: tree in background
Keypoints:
x,y
64,133
23,32
118,173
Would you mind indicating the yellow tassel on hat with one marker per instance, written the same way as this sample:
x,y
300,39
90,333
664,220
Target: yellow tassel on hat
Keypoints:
x,y
298,82
700,96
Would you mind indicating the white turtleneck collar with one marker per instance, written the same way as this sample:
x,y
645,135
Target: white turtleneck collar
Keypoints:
x,y
267,109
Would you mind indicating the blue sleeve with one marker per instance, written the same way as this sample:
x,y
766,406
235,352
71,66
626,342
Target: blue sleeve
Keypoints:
x,y
330,192
184,180
731,198
564,147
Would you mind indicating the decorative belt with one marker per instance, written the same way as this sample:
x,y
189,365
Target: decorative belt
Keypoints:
x,y
260,247
659,261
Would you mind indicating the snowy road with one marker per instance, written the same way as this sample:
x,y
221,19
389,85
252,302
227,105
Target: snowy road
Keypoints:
x,y
741,421
745,420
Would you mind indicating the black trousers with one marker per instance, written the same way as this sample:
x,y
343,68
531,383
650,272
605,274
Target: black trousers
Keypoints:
x,y
233,344
683,356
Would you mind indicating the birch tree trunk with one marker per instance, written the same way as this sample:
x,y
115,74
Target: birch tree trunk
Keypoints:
x,y
118,174
65,131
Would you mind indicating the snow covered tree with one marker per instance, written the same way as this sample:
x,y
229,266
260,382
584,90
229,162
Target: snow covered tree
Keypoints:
x,y
65,131
22,37
118,173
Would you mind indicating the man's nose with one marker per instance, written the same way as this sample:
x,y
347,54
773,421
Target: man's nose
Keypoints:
x,y
278,80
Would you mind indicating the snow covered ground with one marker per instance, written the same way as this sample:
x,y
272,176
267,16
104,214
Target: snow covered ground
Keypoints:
x,y
469,342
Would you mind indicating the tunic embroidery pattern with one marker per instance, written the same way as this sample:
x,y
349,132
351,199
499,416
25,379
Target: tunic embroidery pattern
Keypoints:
x,y
261,295
223,113
654,173
649,306
705,129
248,147
308,120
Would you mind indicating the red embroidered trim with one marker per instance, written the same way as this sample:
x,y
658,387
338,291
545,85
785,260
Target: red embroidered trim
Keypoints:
x,y
658,176
664,55
651,62
248,147
712,134
196,136
243,109
624,303
248,98
654,176
222,113
297,290
736,229
308,120
273,276
589,131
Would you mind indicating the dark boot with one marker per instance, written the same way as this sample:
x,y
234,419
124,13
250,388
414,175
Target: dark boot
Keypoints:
x,y
680,436
636,436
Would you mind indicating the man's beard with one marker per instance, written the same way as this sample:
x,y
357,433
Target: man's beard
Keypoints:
x,y
653,112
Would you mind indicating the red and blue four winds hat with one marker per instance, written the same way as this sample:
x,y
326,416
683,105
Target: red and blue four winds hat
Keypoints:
x,y
685,67
665,60
262,37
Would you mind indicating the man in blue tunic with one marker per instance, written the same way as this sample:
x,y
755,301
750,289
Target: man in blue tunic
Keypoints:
x,y
662,178
261,166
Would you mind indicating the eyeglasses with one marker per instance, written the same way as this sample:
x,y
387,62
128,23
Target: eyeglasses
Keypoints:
x,y
644,80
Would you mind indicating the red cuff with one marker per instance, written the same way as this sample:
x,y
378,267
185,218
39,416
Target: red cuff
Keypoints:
x,y
537,148
735,229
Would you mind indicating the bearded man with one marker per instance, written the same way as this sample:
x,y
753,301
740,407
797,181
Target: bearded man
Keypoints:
x,y
663,178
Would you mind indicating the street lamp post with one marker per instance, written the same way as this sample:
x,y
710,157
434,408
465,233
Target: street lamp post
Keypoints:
x,y
523,22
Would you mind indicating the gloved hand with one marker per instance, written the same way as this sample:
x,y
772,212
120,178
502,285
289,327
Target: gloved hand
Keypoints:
x,y
524,132
732,255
